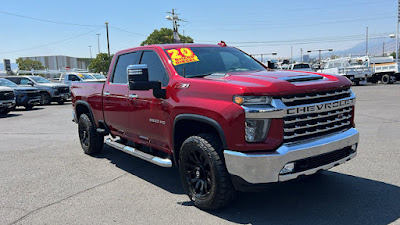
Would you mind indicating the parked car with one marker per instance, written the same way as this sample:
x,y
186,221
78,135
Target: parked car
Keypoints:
x,y
49,91
7,100
225,120
72,77
24,96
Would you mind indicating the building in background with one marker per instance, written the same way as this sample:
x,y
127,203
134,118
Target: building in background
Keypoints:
x,y
59,62
306,58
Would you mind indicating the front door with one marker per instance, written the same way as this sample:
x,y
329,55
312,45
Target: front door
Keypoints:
x,y
149,115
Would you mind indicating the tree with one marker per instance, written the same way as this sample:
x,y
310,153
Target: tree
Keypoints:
x,y
164,36
101,63
27,64
393,54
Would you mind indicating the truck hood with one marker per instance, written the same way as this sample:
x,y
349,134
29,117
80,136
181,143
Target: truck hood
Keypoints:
x,y
52,85
274,82
25,88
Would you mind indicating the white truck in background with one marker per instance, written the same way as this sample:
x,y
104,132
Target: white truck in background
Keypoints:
x,y
384,68
349,68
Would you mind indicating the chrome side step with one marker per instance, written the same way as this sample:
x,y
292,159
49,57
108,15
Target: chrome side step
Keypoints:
x,y
145,156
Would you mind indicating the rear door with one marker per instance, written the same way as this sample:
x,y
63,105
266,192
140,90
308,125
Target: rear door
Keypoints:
x,y
115,95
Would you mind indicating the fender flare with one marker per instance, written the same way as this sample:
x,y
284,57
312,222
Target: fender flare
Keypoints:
x,y
203,119
80,102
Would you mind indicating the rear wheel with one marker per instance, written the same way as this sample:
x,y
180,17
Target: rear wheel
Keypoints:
x,y
385,79
45,98
61,102
29,107
203,172
91,141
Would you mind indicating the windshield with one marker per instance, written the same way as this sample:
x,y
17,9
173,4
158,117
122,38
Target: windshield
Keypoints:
x,y
85,76
40,80
7,83
99,76
202,61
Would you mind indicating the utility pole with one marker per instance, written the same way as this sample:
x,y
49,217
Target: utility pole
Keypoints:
x,y
397,32
108,41
366,43
383,49
90,50
291,53
98,42
174,18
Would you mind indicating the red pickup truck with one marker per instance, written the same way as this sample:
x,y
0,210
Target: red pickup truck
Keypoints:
x,y
225,120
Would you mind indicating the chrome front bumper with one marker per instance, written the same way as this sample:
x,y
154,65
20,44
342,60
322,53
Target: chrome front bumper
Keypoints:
x,y
7,103
257,168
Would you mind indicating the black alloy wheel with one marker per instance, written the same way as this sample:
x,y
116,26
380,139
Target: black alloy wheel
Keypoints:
x,y
198,173
91,141
45,98
203,173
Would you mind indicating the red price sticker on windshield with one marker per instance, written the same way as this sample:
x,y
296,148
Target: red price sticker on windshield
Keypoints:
x,y
182,55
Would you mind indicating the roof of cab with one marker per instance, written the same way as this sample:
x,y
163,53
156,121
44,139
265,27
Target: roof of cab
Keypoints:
x,y
166,46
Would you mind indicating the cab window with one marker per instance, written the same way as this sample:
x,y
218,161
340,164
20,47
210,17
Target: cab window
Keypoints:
x,y
123,61
155,67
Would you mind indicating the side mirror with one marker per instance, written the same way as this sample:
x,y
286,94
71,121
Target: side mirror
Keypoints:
x,y
30,83
138,79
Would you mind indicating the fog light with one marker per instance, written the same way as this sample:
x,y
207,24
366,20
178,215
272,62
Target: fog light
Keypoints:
x,y
288,168
354,148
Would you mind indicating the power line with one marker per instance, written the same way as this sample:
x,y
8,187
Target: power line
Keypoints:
x,y
41,46
49,21
129,32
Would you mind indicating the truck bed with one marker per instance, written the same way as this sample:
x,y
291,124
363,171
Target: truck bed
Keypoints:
x,y
90,92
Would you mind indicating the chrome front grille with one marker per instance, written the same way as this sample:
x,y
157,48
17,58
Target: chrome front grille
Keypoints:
x,y
314,124
315,97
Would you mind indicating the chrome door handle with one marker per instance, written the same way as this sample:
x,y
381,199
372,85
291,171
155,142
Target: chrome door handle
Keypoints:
x,y
106,94
133,96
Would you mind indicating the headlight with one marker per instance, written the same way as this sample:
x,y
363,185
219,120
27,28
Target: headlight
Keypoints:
x,y
252,100
256,129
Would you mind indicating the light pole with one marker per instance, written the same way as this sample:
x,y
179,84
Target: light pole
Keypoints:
x,y
301,54
98,42
319,51
262,54
90,50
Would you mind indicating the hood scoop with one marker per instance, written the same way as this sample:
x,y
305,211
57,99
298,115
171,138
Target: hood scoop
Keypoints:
x,y
216,75
302,78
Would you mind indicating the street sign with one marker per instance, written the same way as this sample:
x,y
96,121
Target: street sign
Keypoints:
x,y
7,65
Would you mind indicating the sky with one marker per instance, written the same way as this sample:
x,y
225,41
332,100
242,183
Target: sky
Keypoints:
x,y
38,28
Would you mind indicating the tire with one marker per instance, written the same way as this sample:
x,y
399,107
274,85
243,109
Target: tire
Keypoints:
x,y
4,111
203,173
61,102
385,79
357,83
45,98
91,141
29,107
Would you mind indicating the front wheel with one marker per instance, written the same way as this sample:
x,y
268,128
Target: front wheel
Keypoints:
x,y
203,173
45,98
91,141
4,111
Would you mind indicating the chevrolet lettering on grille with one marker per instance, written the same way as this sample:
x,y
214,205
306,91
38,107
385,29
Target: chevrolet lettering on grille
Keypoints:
x,y
320,107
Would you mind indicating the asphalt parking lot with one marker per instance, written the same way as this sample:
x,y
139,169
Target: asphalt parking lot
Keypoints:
x,y
47,179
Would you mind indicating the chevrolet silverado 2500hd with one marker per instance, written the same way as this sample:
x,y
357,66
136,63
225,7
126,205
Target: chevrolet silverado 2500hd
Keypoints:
x,y
224,119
